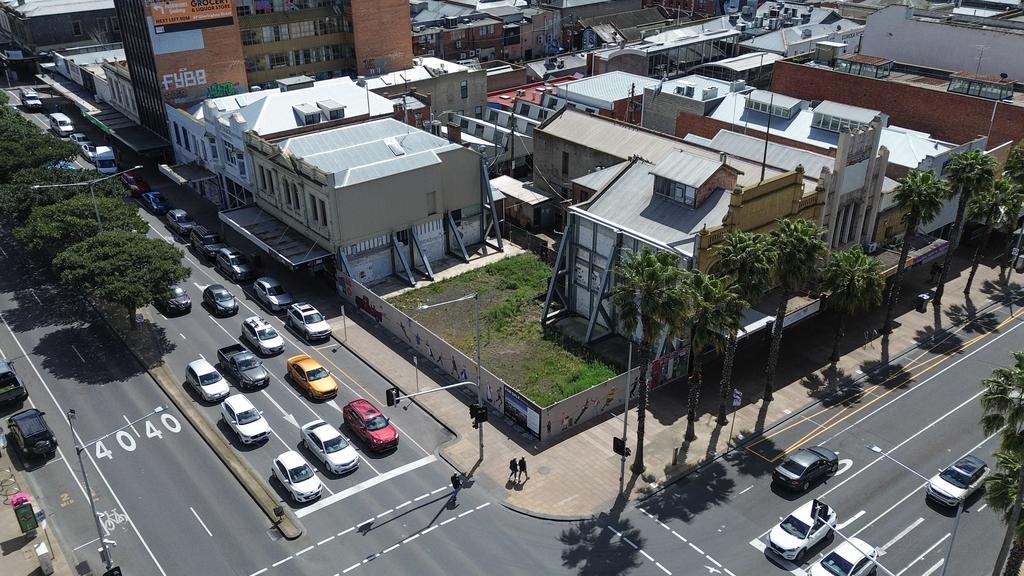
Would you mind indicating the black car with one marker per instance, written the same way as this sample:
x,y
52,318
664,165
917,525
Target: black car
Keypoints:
x,y
219,300
31,434
206,243
12,389
806,466
175,301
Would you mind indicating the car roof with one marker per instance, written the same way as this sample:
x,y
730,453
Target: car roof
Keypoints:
x,y
969,464
304,307
214,288
364,407
803,513
854,549
238,402
313,424
291,459
255,322
804,457
304,361
177,212
325,431
823,452
201,366
30,420
268,281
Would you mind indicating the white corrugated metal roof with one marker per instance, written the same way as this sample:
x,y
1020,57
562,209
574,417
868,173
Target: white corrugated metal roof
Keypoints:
x,y
847,112
686,168
607,87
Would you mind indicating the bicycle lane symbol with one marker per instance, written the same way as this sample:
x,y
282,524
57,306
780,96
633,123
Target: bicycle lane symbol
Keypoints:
x,y
110,520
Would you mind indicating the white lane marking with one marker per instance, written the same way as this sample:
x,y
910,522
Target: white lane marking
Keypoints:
x,y
665,570
429,530
33,292
852,519
79,547
786,564
982,507
325,540
304,550
628,541
441,489
365,522
343,532
366,484
694,546
403,504
351,568
201,523
258,572
923,554
646,555
279,562
467,512
447,521
662,524
716,562
484,505
385,513
745,490
934,567
386,550
134,429
92,460
182,336
678,535
413,537
417,499
80,357
903,533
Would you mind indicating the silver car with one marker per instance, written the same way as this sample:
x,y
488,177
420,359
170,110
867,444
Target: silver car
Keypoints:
x,y
233,264
271,294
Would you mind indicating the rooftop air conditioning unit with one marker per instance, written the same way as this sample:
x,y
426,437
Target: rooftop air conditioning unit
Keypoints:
x,y
805,33
746,11
520,92
419,28
450,22
709,92
738,85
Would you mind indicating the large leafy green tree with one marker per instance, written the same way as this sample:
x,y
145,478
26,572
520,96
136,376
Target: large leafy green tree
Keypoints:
x,y
1002,402
968,172
715,310
854,283
747,259
53,228
18,198
919,195
123,268
649,296
24,145
994,207
800,251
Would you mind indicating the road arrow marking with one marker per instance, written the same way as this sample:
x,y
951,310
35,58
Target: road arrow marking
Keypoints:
x,y
200,286
844,465
291,420
843,525
333,404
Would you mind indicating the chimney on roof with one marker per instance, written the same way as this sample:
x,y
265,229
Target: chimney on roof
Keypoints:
x,y
454,133
724,157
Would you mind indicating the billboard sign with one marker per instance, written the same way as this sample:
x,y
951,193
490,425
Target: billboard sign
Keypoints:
x,y
177,15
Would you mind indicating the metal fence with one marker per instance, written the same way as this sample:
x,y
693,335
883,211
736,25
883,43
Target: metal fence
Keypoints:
x,y
531,242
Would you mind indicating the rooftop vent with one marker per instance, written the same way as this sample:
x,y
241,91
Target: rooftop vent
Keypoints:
x,y
294,83
709,92
450,22
805,33
332,109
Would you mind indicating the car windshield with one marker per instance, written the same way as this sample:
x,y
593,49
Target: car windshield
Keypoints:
x,y
956,477
248,362
236,260
267,333
317,373
301,473
795,526
248,416
793,467
184,218
376,423
177,291
158,199
209,378
275,290
313,318
335,444
211,239
7,379
836,564
223,296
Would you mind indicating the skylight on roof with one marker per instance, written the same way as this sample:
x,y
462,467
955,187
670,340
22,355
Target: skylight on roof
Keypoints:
x,y
396,147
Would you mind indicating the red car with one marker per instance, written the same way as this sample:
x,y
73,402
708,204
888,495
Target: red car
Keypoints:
x,y
363,419
134,183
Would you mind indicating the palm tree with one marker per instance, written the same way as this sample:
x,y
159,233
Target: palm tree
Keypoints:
x,y
993,206
648,294
715,310
800,249
1001,489
747,259
1014,170
968,172
1002,403
919,196
854,283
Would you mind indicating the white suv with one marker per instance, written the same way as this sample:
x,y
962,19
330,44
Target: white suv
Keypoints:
x,y
802,530
308,321
242,417
262,336
206,381
297,476
853,557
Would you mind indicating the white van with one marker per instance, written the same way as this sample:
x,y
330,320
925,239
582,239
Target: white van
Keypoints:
x,y
61,124
30,99
105,161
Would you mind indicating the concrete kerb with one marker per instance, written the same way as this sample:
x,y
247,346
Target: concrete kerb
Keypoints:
x,y
288,524
739,445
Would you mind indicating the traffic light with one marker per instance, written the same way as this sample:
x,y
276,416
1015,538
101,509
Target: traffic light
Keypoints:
x,y
392,396
478,413
619,447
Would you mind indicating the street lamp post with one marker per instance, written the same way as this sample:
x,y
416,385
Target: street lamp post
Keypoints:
x,y
479,389
625,418
92,189
959,505
81,447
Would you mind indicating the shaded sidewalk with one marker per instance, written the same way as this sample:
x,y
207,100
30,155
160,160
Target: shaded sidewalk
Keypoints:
x,y
579,477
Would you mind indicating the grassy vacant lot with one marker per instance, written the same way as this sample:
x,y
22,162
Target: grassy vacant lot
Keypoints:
x,y
513,346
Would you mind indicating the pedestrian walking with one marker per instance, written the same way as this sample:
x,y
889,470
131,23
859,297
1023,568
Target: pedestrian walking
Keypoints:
x,y
522,469
513,471
456,486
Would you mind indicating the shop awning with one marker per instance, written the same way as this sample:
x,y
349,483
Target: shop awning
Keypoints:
x,y
923,249
182,174
274,237
139,138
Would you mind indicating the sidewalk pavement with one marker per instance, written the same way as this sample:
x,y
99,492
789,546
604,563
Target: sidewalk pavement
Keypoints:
x,y
17,550
579,477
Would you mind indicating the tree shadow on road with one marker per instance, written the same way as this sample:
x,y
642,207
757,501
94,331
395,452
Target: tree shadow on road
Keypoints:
x,y
41,303
967,317
707,487
607,544
1002,292
85,355
938,341
886,375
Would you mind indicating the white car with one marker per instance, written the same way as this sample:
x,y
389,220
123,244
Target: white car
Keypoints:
x,y
206,381
264,337
89,152
801,531
854,557
297,476
308,321
955,484
80,139
327,444
242,417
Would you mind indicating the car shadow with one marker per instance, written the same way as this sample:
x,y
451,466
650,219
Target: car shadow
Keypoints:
x,y
232,438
